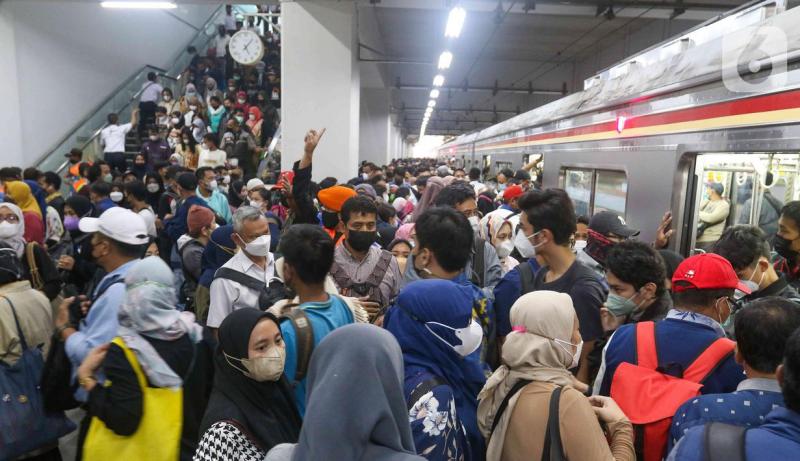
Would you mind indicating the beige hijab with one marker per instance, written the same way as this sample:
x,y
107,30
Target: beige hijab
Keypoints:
x,y
529,352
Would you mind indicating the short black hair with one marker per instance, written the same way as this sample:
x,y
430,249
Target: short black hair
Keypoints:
x,y
201,172
93,173
151,76
474,174
550,209
791,372
52,179
31,173
357,204
172,172
507,172
582,219
637,263
10,173
692,297
214,98
421,181
792,211
137,189
742,245
327,182
101,188
187,181
762,328
213,138
386,211
448,234
309,250
454,194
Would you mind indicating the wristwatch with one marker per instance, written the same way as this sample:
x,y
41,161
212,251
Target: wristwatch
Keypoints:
x,y
60,330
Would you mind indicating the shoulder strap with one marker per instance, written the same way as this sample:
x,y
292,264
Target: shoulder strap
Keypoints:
x,y
379,271
646,348
30,256
423,388
103,287
236,276
526,277
502,408
304,340
724,442
131,357
340,276
553,451
22,341
478,261
704,364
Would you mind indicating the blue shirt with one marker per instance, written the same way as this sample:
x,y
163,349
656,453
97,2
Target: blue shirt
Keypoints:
x,y
105,204
176,226
101,324
324,318
748,406
506,293
777,439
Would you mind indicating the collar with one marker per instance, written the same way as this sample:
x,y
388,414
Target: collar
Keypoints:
x,y
52,196
759,384
346,252
694,317
772,290
246,263
15,287
121,270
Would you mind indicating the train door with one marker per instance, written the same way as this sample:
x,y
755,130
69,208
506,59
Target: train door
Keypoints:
x,y
732,189
486,167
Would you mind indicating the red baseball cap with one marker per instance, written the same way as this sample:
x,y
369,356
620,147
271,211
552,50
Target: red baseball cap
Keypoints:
x,y
707,271
512,192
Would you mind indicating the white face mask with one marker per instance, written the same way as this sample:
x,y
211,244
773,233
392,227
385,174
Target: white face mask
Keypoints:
x,y
256,203
8,230
261,369
116,196
470,336
175,120
152,188
154,138
212,184
166,97
192,108
259,246
226,179
524,245
576,357
475,223
504,248
579,245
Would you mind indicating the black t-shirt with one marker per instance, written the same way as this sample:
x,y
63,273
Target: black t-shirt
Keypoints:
x,y
587,293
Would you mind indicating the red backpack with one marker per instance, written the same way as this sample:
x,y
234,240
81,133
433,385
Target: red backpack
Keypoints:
x,y
650,398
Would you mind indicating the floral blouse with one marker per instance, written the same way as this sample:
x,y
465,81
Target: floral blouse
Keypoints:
x,y
437,431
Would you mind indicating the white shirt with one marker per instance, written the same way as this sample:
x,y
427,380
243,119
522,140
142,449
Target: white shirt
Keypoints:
x,y
221,44
212,158
149,220
152,91
227,296
113,137
230,22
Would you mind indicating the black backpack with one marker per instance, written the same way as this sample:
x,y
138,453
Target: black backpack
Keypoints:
x,y
267,295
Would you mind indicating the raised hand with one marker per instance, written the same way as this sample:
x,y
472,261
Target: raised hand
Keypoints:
x,y
664,232
312,139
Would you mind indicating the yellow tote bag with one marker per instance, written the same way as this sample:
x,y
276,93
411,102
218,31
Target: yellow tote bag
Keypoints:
x,y
158,436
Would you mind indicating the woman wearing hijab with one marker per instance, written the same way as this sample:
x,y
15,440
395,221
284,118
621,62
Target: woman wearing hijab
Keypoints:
x,y
78,269
406,232
241,102
212,90
255,122
156,378
498,231
251,407
434,185
37,267
21,194
544,343
432,321
155,187
219,250
237,193
355,407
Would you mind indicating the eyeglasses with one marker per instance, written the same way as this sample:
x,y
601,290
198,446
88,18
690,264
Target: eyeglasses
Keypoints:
x,y
9,218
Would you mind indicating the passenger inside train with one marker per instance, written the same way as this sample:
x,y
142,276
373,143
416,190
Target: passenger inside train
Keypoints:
x,y
209,267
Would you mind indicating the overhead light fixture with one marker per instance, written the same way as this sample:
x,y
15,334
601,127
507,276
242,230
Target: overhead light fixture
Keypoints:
x,y
455,21
139,5
432,103
438,80
434,93
445,59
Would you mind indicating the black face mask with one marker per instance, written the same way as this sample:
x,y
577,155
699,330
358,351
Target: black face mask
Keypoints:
x,y
784,248
361,240
329,219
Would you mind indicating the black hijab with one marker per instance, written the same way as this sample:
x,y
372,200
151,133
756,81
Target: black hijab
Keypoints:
x,y
233,193
82,207
265,411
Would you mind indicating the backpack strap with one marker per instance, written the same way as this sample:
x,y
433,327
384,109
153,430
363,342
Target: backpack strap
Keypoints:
x,y
376,277
340,276
724,442
502,408
526,278
30,256
423,388
238,277
646,347
478,261
22,342
553,450
704,364
304,339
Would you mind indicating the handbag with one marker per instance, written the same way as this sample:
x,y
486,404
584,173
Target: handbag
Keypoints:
x,y
25,425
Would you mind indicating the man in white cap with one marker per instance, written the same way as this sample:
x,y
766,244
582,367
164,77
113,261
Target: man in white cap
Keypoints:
x,y
254,184
119,239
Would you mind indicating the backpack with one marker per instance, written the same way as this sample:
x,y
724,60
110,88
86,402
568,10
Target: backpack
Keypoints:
x,y
304,339
267,295
478,262
370,287
724,442
650,398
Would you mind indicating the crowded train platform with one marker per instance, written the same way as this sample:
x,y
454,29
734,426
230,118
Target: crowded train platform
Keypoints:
x,y
237,256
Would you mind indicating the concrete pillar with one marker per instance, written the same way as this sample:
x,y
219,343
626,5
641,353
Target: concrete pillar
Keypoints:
x,y
320,84
375,126
10,121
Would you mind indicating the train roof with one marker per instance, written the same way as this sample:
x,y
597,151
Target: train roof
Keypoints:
x,y
701,55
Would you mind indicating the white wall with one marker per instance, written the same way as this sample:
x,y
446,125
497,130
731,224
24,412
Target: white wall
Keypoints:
x,y
374,143
62,59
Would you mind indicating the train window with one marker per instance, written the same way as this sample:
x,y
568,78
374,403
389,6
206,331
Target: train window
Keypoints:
x,y
578,184
610,192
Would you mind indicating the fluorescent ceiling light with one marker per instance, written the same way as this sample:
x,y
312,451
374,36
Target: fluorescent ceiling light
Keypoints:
x,y
445,59
455,20
438,80
140,5
432,103
434,93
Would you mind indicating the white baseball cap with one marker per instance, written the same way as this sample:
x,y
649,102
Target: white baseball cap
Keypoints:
x,y
118,224
254,184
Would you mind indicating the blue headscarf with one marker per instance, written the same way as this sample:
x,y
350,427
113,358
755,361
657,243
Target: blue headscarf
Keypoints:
x,y
219,250
448,303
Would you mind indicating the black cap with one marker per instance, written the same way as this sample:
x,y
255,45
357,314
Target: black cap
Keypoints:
x,y
608,222
187,181
522,175
74,152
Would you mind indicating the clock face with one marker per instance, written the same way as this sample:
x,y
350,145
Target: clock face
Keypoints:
x,y
246,47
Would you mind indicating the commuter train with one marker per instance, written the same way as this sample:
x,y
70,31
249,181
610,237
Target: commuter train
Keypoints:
x,y
720,103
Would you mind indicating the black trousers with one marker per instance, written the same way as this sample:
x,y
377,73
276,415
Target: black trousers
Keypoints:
x,y
147,116
116,161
